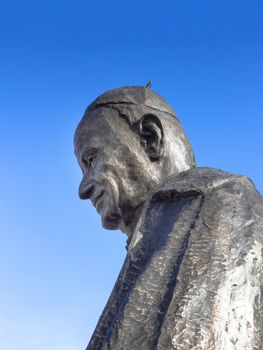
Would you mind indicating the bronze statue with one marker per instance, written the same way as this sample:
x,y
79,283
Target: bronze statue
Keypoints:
x,y
192,276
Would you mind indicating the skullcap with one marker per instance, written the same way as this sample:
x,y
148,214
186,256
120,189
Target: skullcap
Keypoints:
x,y
132,95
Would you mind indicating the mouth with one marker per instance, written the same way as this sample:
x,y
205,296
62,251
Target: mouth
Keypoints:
x,y
97,200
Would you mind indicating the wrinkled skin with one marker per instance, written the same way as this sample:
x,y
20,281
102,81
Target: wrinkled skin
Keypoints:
x,y
192,277
117,173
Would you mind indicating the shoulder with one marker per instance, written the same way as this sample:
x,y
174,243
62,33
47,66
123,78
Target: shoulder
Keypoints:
x,y
204,180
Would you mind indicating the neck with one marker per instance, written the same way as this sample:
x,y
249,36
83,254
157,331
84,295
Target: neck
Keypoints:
x,y
131,214
130,220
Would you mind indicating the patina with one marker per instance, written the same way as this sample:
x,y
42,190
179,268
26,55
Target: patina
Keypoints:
x,y
192,278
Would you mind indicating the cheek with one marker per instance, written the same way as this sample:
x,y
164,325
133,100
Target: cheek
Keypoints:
x,y
135,166
124,169
114,165
106,173
133,178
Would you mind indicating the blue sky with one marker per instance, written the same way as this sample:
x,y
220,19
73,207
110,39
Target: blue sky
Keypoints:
x,y
57,265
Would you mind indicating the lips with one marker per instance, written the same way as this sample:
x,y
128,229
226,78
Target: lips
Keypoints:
x,y
96,200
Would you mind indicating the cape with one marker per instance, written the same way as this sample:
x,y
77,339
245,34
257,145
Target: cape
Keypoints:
x,y
192,278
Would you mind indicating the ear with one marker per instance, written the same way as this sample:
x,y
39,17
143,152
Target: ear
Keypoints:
x,y
151,133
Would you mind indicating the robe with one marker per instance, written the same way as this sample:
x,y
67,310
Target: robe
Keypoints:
x,y
192,277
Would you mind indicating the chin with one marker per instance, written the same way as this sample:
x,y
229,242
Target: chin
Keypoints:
x,y
111,221
110,225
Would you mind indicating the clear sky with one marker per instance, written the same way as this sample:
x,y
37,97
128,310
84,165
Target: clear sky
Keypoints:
x,y
57,265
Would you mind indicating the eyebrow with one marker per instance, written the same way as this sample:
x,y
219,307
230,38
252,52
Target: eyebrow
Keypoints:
x,y
88,152
79,146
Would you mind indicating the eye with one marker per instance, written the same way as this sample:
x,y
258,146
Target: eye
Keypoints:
x,y
92,161
89,161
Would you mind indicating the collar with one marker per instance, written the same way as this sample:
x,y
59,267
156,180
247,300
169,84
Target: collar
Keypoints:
x,y
192,182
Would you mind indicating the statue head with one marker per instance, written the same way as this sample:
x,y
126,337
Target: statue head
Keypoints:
x,y
127,143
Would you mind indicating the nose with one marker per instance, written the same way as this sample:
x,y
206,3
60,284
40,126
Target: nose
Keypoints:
x,y
85,188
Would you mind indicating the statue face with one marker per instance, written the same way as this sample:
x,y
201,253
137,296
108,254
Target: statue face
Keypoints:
x,y
117,173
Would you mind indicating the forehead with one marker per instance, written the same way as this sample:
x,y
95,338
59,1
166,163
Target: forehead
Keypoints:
x,y
100,128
